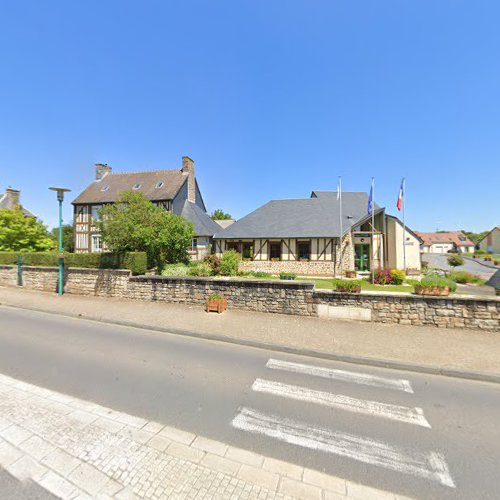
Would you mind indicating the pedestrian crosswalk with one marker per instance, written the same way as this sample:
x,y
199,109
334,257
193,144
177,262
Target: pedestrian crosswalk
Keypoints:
x,y
430,465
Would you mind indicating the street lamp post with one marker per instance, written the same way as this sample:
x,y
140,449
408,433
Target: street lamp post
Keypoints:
x,y
60,198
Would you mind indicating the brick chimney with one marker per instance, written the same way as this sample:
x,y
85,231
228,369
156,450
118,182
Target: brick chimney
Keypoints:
x,y
101,169
13,198
188,169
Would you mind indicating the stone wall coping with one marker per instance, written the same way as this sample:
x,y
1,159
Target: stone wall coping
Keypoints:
x,y
8,266
309,285
88,270
452,298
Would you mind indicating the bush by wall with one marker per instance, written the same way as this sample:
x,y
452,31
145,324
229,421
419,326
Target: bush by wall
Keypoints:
x,y
229,263
398,276
135,261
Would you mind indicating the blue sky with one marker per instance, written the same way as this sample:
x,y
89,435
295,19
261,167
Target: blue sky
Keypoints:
x,y
272,99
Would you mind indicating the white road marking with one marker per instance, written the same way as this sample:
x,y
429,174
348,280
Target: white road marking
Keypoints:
x,y
424,465
341,375
373,408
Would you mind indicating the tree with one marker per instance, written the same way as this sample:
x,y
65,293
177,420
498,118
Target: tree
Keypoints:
x,y
19,233
455,260
475,237
68,239
220,215
134,224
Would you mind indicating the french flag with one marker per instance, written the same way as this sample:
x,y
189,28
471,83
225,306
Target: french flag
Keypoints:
x,y
399,204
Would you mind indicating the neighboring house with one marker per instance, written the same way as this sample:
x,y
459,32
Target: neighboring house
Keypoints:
x,y
445,242
491,242
11,200
303,236
176,190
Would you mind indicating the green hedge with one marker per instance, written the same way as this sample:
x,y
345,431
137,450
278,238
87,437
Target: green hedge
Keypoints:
x,y
135,261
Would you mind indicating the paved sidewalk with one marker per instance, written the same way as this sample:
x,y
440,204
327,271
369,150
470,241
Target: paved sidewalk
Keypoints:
x,y
80,450
447,348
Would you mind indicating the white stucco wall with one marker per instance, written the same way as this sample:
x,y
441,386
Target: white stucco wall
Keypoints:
x,y
395,258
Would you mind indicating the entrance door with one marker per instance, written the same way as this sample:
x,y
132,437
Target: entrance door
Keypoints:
x,y
362,257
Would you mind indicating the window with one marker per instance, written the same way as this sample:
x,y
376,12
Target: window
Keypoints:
x,y
105,188
137,186
96,243
304,248
247,250
95,213
159,185
233,245
194,243
275,250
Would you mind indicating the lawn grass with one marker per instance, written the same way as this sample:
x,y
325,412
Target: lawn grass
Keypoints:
x,y
329,284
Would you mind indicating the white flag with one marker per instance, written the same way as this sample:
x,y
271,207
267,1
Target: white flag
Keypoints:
x,y
339,188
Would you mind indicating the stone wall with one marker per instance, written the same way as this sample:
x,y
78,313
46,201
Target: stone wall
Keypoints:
x,y
78,281
8,275
447,312
273,296
284,297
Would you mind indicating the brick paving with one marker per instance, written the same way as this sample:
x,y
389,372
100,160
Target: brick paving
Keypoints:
x,y
79,450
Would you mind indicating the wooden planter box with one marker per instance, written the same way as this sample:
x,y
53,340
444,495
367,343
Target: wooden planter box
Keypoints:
x,y
216,305
436,291
351,274
348,290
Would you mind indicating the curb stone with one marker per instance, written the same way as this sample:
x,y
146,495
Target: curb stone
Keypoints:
x,y
345,358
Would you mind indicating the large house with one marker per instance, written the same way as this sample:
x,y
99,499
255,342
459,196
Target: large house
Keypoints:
x,y
491,242
304,236
11,200
445,242
176,190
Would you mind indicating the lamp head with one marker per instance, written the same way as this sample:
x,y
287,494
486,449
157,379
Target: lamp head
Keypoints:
x,y
60,192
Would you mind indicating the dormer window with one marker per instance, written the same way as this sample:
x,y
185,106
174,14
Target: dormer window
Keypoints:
x,y
136,187
105,188
159,185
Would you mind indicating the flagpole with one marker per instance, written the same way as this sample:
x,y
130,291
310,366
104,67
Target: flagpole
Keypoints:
x,y
373,229
341,230
404,224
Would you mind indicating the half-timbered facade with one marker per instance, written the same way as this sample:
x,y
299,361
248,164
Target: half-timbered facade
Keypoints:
x,y
176,190
304,236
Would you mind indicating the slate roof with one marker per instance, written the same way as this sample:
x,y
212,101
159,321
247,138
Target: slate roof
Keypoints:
x,y
315,217
203,224
111,185
448,237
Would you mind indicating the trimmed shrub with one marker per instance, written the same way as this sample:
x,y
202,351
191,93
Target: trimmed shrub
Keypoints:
x,y
455,260
348,286
8,258
434,280
135,261
229,263
398,276
479,252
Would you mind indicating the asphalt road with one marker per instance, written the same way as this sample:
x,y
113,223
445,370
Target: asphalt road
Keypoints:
x,y
440,261
211,389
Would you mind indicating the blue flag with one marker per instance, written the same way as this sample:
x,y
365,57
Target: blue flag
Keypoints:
x,y
370,200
